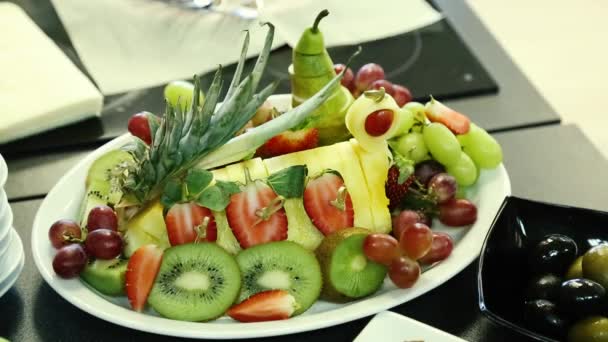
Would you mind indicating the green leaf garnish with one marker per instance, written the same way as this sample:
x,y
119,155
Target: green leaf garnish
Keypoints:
x,y
196,181
172,193
217,197
405,166
289,182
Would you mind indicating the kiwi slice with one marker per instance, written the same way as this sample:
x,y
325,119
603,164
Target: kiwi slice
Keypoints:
x,y
106,276
101,168
281,265
347,273
196,282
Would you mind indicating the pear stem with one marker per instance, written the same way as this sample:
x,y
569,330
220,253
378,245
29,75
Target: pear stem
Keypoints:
x,y
315,27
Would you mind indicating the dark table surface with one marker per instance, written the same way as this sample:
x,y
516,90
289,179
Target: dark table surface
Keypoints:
x,y
544,163
32,311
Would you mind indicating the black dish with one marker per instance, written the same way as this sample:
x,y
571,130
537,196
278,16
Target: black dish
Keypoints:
x,y
503,274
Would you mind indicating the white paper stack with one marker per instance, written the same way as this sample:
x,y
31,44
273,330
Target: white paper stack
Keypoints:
x,y
11,249
40,88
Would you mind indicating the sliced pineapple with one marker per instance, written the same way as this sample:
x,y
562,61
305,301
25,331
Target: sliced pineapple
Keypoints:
x,y
147,227
225,237
300,228
375,165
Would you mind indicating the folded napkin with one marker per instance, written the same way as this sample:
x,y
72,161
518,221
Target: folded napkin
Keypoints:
x,y
349,22
130,44
40,88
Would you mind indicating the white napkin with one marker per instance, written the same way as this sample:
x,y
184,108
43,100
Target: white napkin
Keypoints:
x,y
40,88
349,22
131,44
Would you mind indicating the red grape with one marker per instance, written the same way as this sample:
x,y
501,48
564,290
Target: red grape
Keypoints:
x,y
440,249
401,94
348,80
416,240
404,272
425,218
379,122
367,74
104,244
138,126
443,186
100,217
457,212
381,248
426,170
388,86
64,232
403,220
70,260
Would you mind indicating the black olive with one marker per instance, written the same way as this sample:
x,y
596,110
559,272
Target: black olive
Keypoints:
x,y
581,297
553,254
544,287
542,316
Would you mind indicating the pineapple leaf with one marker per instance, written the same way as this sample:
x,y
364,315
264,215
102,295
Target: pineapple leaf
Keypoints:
x,y
239,68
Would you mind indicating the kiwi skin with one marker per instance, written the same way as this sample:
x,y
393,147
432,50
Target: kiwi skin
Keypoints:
x,y
324,253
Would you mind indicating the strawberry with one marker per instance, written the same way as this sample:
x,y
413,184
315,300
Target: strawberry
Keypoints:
x,y
395,191
457,122
269,305
256,214
141,272
328,203
188,221
290,141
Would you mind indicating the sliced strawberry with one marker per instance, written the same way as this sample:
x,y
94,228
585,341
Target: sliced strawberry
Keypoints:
x,y
395,191
187,221
141,272
269,305
290,141
328,203
457,122
256,215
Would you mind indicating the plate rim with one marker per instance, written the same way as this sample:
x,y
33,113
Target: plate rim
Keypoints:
x,y
71,290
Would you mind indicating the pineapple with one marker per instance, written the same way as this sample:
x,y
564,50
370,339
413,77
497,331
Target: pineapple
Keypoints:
x,y
147,227
225,238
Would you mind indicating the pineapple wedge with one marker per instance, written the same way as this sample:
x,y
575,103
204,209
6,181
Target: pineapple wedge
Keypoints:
x,y
375,165
225,237
148,226
300,228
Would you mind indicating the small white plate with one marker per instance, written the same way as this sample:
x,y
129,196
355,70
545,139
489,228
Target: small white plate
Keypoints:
x,y
3,171
6,222
12,263
388,326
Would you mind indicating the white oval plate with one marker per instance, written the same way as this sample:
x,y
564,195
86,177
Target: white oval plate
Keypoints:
x,y
63,201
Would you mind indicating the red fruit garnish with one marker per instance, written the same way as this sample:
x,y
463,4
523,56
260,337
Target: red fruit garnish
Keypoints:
x,y
381,248
440,249
141,272
139,126
348,80
388,86
290,141
256,215
328,203
367,74
457,212
395,191
103,244
264,306
401,94
64,232
416,240
187,221
379,122
457,122
102,217
403,220
70,260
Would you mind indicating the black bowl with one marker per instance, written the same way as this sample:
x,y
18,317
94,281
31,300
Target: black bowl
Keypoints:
x,y
518,226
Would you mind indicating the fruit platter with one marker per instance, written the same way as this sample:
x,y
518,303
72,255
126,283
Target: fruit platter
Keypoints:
x,y
259,214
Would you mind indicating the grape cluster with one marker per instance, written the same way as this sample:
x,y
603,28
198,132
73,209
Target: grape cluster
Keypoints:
x,y
102,241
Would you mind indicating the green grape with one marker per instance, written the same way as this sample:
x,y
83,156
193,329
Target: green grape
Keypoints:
x,y
483,149
442,143
411,146
183,91
464,171
416,108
